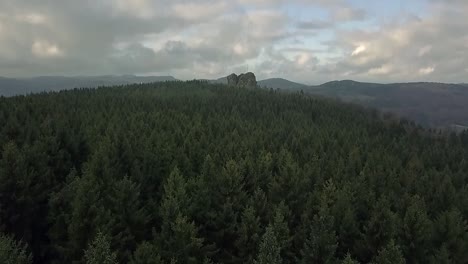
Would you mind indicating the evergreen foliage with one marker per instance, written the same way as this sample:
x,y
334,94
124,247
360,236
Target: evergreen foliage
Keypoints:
x,y
192,172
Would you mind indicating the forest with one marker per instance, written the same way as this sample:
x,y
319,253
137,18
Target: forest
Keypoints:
x,y
192,172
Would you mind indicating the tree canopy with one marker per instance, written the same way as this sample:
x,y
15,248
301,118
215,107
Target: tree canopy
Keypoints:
x,y
192,172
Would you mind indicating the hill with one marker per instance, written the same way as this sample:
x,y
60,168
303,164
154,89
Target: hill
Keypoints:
x,y
279,83
222,80
436,105
431,104
12,87
192,172
275,83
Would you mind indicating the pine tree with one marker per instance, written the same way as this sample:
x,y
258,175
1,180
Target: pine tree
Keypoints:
x,y
146,253
88,214
269,251
129,218
175,201
281,230
390,254
12,252
349,260
183,246
441,256
249,235
178,240
321,244
416,232
451,232
99,251
15,188
381,227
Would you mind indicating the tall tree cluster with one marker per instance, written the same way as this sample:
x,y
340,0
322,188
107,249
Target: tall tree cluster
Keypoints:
x,y
192,172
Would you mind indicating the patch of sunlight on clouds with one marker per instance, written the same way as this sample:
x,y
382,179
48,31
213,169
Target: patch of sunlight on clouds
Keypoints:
x,y
43,48
426,71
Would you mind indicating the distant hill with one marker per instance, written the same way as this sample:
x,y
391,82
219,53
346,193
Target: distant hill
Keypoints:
x,y
12,86
431,104
275,83
222,80
279,83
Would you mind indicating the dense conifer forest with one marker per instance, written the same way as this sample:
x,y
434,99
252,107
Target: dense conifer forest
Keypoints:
x,y
191,172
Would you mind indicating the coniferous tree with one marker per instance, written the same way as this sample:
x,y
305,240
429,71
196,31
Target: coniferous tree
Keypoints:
x,y
99,251
269,250
381,227
146,253
349,260
75,162
13,252
175,200
416,232
441,256
249,235
129,218
390,254
321,243
178,239
281,230
451,233
15,187
183,246
88,214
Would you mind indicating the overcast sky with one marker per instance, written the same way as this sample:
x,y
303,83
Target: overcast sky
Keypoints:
x,y
310,41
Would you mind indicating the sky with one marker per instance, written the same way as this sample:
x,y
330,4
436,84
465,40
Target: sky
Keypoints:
x,y
309,41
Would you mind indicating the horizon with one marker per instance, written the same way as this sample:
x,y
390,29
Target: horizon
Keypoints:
x,y
217,78
306,41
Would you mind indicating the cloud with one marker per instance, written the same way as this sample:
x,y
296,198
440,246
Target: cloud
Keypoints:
x,y
42,48
348,14
32,18
304,40
315,24
425,48
199,11
359,49
426,71
382,70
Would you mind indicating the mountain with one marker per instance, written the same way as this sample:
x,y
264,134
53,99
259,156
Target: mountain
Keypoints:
x,y
430,104
12,86
222,80
280,83
275,83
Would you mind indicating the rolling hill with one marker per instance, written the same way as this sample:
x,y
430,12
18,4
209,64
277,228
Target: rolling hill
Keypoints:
x,y
429,104
280,83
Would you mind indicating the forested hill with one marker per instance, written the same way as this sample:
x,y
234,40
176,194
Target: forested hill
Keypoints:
x,y
437,105
202,173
